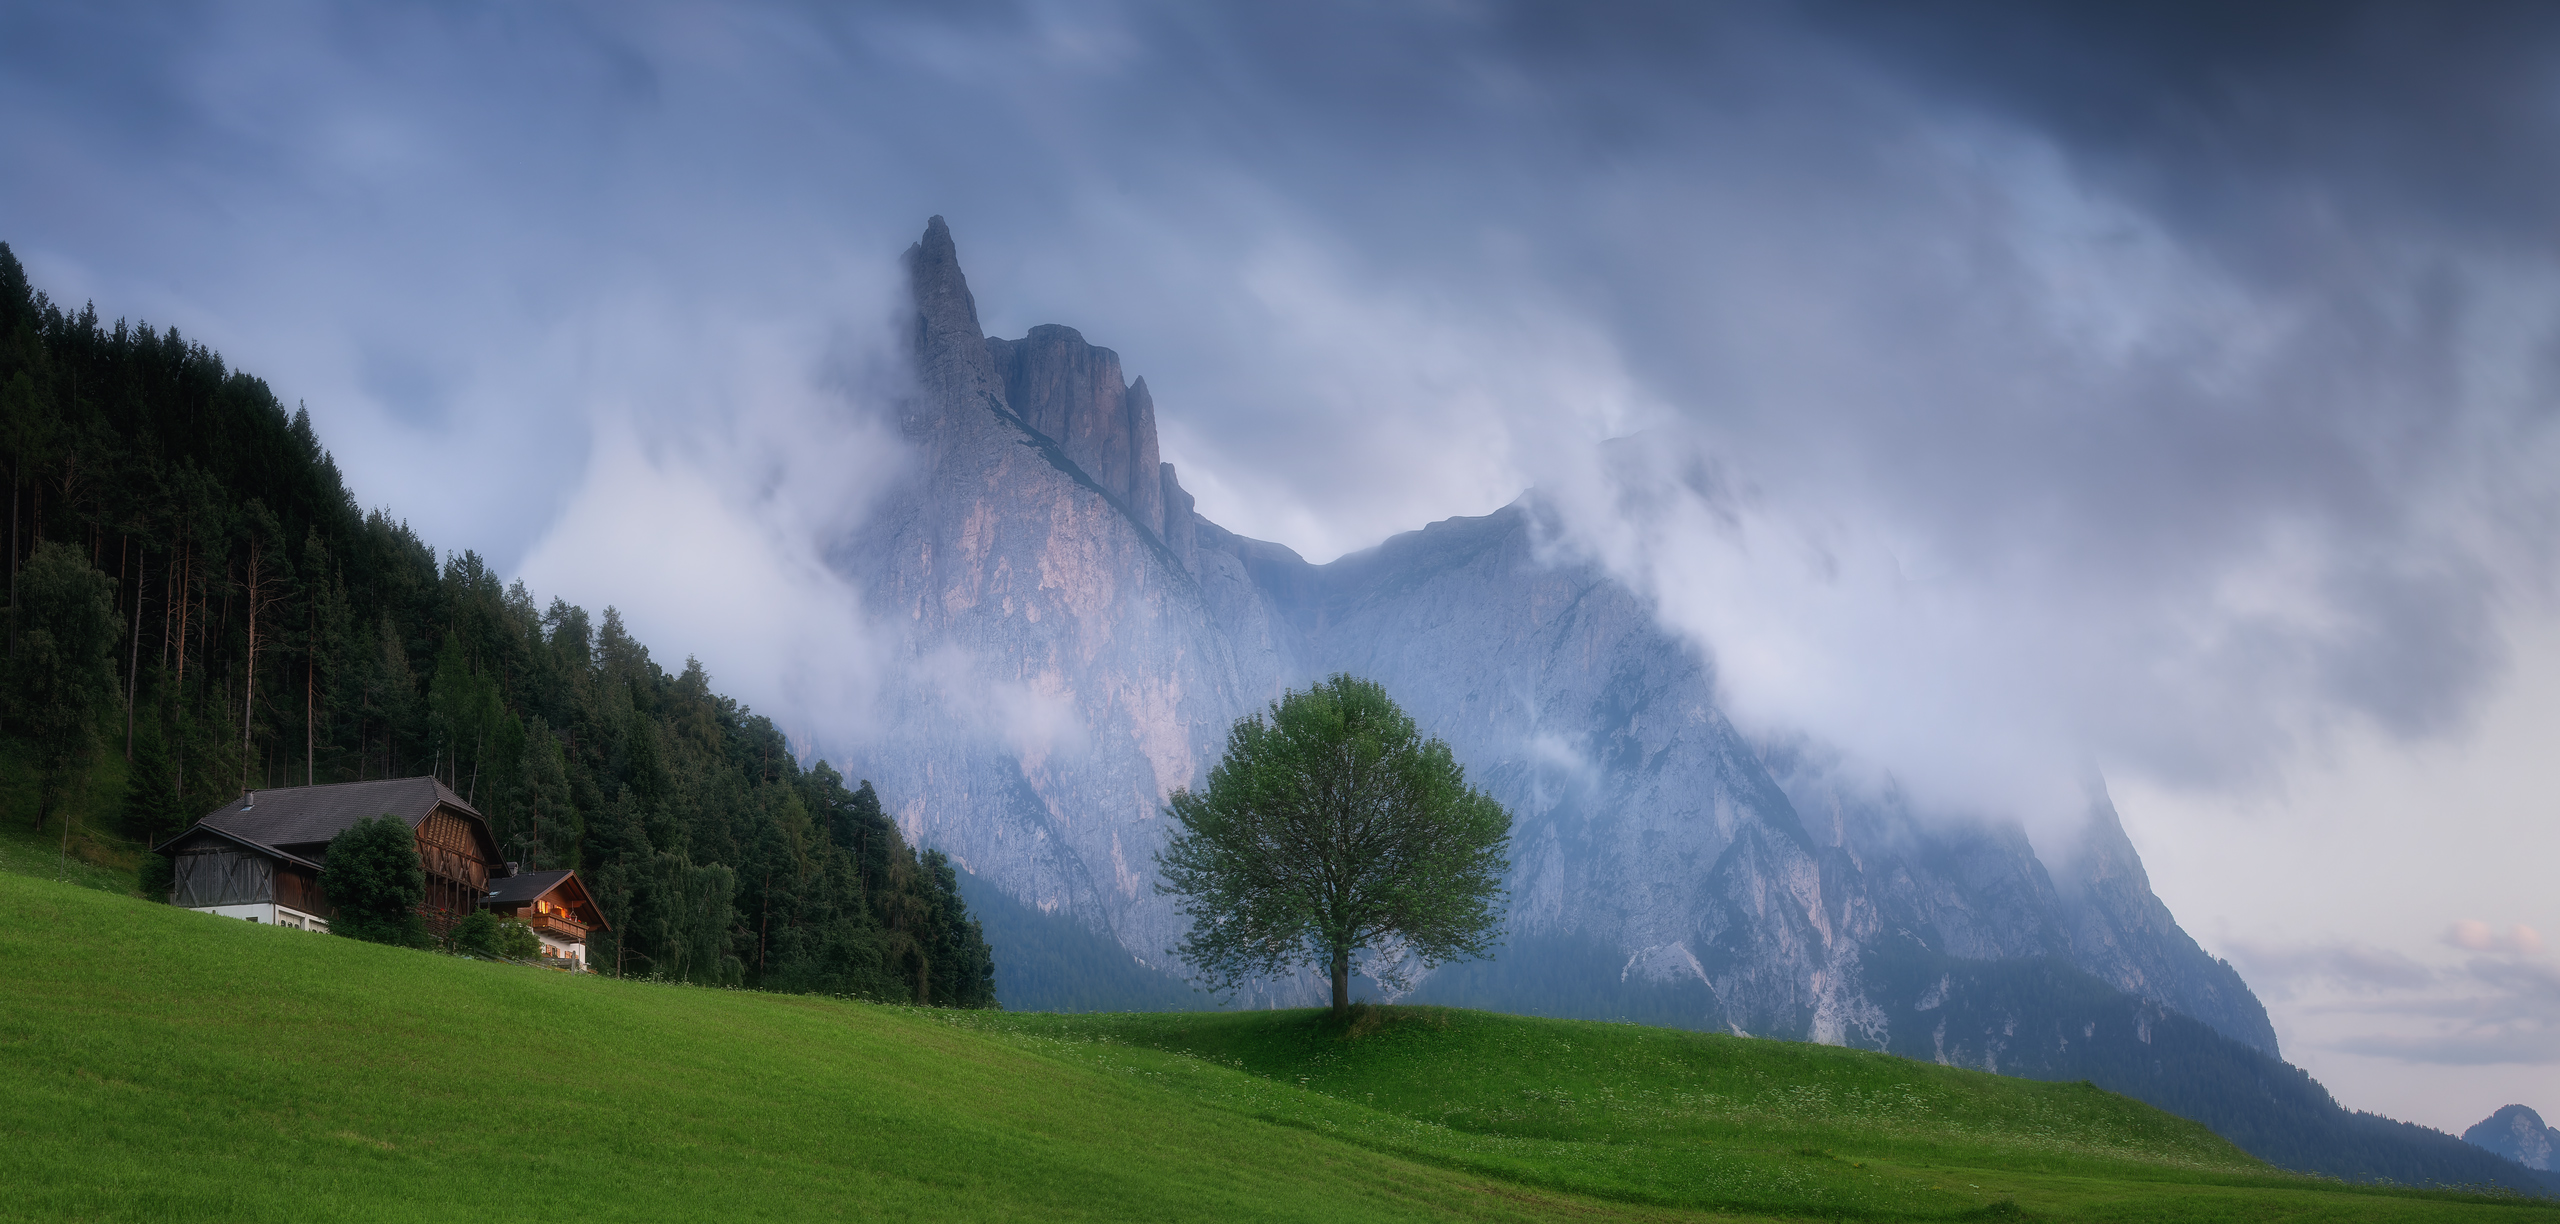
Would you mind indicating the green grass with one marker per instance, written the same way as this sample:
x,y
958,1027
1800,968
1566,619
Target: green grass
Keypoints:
x,y
158,1064
1707,1121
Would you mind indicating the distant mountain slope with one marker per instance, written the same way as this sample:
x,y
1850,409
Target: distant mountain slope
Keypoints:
x,y
2046,1019
2520,1135
1051,964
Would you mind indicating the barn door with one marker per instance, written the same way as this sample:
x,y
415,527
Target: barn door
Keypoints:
x,y
222,877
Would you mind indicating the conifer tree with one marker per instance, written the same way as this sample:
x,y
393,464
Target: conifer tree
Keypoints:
x,y
64,674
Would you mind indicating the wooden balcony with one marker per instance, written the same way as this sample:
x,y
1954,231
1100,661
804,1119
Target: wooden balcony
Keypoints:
x,y
558,926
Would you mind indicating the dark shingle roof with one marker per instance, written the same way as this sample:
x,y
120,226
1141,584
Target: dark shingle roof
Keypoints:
x,y
518,889
304,815
203,830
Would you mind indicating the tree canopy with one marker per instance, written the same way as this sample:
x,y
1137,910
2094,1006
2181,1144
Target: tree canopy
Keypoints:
x,y
61,675
374,879
1331,827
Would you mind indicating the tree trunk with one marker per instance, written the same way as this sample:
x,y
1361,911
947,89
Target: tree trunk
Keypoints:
x,y
260,586
13,558
186,608
249,676
133,660
1341,983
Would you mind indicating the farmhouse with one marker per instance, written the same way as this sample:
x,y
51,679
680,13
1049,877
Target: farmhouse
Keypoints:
x,y
259,858
556,905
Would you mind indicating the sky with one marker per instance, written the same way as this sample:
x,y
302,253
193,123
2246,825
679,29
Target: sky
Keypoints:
x,y
2001,391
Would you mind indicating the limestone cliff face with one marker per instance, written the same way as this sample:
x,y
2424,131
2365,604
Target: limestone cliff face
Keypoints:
x,y
1059,670
1071,391
1078,640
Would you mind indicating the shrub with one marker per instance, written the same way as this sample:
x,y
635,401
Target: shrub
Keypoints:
x,y
156,877
476,935
516,941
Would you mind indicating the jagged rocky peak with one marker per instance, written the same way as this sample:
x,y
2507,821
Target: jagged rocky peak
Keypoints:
x,y
951,359
1072,391
1051,381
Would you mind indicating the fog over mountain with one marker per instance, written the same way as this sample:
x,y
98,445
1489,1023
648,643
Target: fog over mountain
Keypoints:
x,y
1983,401
1042,558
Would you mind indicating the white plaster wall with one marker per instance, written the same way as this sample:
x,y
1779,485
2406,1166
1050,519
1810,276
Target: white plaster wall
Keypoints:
x,y
269,914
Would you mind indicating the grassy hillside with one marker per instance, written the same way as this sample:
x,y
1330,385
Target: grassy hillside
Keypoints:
x,y
160,1064
1702,1120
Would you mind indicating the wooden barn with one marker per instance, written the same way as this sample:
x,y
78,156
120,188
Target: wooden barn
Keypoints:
x,y
556,905
259,858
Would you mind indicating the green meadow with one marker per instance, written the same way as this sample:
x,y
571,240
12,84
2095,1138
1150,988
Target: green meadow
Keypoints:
x,y
157,1064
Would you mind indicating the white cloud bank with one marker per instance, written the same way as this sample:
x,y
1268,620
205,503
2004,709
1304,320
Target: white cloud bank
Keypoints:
x,y
726,460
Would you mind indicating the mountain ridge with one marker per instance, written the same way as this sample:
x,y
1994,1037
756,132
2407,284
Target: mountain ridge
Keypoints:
x,y
1646,819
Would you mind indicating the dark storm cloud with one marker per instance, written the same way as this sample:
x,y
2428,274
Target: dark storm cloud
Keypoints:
x,y
2223,341
2229,117
2146,384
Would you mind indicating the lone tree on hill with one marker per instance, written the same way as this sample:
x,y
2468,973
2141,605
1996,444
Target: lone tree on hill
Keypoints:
x,y
1332,826
373,877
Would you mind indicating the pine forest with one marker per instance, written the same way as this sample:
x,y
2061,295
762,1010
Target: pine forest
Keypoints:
x,y
194,589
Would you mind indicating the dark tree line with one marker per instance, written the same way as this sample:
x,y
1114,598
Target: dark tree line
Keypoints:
x,y
267,632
